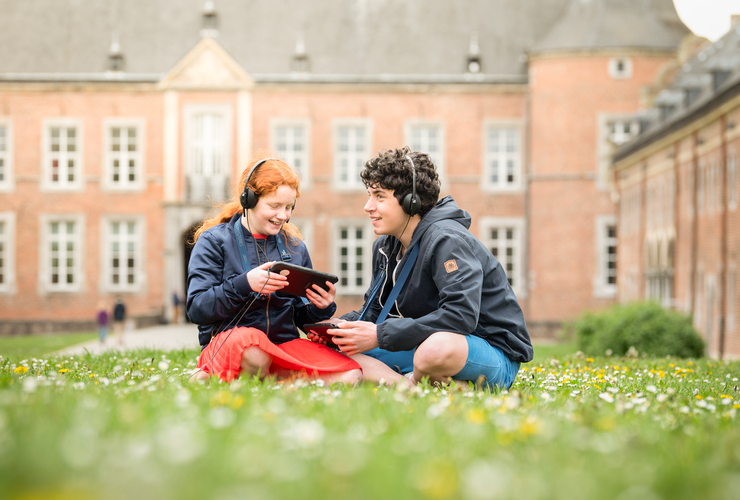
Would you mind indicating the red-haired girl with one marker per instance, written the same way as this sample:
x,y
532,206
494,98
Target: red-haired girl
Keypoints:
x,y
246,326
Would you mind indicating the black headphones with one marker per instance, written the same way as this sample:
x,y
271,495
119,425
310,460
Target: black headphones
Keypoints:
x,y
410,202
248,197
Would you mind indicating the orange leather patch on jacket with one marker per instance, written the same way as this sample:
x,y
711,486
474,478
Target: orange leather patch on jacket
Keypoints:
x,y
450,266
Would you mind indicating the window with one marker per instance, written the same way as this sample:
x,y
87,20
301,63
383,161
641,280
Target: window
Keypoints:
x,y
732,179
351,150
6,156
352,253
123,155
712,201
7,252
427,138
123,253
62,253
504,238
503,157
620,67
208,142
605,281
614,130
62,155
290,141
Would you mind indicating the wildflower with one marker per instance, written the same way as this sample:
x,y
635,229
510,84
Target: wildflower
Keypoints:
x,y
476,416
21,369
607,397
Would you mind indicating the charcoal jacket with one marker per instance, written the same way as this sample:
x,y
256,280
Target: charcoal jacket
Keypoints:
x,y
456,285
218,289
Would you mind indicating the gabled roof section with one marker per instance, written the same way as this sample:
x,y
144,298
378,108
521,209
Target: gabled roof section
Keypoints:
x,y
207,66
615,24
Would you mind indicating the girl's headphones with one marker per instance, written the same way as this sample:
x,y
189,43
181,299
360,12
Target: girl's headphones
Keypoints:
x,y
249,197
410,203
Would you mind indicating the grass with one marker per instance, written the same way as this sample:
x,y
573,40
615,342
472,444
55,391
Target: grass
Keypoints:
x,y
572,427
34,346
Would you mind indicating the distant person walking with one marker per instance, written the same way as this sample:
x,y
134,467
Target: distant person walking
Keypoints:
x,y
102,320
176,303
119,319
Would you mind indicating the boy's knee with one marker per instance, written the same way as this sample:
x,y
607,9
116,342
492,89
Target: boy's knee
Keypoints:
x,y
435,352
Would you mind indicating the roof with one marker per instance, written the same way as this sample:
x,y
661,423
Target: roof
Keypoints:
x,y
608,24
343,40
705,81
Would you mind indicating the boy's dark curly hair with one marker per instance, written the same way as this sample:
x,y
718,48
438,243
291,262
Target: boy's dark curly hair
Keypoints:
x,y
392,170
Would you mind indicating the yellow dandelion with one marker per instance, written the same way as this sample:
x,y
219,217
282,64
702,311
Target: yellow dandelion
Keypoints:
x,y
698,396
589,360
21,369
476,416
64,370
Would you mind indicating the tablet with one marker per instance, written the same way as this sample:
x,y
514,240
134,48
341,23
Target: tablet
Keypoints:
x,y
320,330
301,278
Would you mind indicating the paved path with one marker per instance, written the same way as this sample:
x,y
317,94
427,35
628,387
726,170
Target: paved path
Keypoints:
x,y
164,337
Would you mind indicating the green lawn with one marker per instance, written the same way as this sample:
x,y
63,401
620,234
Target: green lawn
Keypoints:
x,y
572,427
34,346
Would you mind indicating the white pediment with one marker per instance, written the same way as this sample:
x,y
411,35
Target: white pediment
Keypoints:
x,y
207,66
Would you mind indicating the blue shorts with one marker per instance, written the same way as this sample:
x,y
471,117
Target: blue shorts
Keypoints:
x,y
484,360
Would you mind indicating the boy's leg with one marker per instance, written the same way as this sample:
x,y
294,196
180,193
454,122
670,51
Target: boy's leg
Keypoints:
x,y
440,357
374,370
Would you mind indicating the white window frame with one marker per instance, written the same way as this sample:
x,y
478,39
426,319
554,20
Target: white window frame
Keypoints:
x,y
601,287
502,157
300,161
190,111
369,237
7,253
7,183
732,179
438,157
353,183
47,156
518,251
106,252
78,270
614,70
305,225
123,184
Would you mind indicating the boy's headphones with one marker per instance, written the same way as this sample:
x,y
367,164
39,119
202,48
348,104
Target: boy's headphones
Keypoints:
x,y
410,202
248,197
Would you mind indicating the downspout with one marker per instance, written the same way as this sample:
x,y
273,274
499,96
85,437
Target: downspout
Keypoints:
x,y
676,221
527,195
643,229
694,222
723,235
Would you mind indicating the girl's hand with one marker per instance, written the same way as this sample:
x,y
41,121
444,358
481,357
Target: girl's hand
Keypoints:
x,y
322,298
263,281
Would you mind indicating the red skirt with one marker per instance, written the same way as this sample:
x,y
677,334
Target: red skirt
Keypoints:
x,y
222,356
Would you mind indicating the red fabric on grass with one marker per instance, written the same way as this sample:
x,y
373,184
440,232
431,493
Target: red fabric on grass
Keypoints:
x,y
222,356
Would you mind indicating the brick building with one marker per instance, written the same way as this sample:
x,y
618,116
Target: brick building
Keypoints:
x,y
677,185
121,124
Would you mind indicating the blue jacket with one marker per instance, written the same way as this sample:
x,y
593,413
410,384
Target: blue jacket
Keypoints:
x,y
218,289
456,285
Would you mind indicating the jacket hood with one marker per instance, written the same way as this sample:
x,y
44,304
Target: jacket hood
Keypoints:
x,y
445,209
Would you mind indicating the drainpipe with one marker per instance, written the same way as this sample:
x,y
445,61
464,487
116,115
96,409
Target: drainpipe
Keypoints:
x,y
694,222
643,230
723,234
676,221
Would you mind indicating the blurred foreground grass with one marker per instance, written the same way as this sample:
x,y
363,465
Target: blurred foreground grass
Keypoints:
x,y
32,346
572,427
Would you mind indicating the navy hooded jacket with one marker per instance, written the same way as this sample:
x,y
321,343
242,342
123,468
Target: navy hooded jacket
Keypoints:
x,y
456,285
219,295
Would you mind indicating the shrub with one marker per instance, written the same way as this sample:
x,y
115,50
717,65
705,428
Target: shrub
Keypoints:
x,y
646,326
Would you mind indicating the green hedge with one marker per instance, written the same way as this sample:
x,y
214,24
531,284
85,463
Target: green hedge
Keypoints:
x,y
645,326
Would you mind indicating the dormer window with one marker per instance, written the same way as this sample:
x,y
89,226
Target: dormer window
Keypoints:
x,y
474,61
300,63
691,95
719,76
210,20
620,67
116,61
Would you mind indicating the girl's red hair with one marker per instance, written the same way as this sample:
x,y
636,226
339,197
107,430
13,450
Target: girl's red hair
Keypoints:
x,y
264,181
